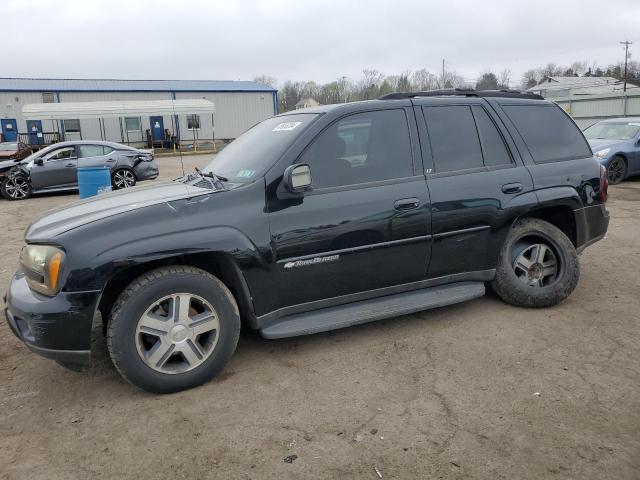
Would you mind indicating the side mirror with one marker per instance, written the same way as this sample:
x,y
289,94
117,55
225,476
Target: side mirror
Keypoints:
x,y
38,161
297,178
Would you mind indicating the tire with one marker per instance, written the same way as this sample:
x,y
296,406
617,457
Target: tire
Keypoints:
x,y
16,188
524,276
176,354
616,170
123,178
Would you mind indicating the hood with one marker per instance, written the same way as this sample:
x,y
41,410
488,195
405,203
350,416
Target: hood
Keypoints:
x,y
5,164
602,143
60,220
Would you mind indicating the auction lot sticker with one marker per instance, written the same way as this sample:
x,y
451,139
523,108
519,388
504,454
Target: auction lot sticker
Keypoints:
x,y
286,126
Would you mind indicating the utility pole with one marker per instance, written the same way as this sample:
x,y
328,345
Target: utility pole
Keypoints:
x,y
443,73
626,44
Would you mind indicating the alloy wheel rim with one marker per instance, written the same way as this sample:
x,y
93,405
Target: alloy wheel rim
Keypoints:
x,y
123,179
17,188
615,170
536,266
177,333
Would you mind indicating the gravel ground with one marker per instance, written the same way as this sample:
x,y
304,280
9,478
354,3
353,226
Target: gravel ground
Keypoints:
x,y
477,390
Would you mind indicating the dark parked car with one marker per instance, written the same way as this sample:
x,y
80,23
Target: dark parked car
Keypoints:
x,y
13,151
616,143
54,168
316,220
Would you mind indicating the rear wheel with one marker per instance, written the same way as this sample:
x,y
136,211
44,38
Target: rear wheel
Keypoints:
x,y
172,329
16,188
617,170
123,178
538,265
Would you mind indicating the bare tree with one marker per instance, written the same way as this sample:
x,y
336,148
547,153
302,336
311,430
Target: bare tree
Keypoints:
x,y
504,78
266,80
530,78
423,80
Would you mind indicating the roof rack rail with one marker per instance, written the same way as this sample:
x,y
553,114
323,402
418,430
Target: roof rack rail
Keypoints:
x,y
467,92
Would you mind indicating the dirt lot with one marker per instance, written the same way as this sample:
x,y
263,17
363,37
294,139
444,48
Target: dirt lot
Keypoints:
x,y
477,390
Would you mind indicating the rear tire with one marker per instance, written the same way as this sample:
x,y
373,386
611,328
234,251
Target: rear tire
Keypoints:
x,y
172,329
16,188
538,265
123,178
616,170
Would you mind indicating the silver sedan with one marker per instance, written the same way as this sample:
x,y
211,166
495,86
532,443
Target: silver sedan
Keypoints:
x,y
54,168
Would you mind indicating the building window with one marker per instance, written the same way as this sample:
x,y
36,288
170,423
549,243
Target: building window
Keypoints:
x,y
132,124
47,97
72,126
193,122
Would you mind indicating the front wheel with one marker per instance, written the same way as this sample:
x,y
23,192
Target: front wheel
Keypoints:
x,y
16,188
173,328
616,170
123,178
538,265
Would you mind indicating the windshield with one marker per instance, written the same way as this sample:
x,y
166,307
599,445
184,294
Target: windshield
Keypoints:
x,y
251,154
612,131
40,153
8,147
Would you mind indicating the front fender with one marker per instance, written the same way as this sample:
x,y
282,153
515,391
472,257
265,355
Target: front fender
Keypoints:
x,y
110,262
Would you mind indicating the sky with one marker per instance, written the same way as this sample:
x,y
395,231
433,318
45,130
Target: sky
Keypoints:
x,y
306,40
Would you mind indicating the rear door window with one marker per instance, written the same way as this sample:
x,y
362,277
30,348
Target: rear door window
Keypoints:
x,y
87,151
493,147
454,139
548,133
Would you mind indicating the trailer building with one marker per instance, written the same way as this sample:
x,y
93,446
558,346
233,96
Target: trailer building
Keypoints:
x,y
238,106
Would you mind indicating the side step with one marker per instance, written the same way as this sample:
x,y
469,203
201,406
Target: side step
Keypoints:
x,y
342,316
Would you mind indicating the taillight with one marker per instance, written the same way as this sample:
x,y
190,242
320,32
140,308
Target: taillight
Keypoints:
x,y
604,184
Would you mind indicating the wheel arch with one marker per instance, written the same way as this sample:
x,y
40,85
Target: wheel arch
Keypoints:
x,y
561,216
219,263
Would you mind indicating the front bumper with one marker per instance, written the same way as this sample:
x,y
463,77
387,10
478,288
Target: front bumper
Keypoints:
x,y
147,170
57,327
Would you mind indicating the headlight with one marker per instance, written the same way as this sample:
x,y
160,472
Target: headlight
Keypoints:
x,y
42,265
602,153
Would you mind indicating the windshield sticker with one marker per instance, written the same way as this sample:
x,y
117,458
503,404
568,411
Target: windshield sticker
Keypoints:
x,y
286,126
245,173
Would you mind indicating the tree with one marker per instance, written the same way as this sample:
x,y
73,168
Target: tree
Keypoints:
x,y
266,80
422,80
504,79
404,85
530,78
488,81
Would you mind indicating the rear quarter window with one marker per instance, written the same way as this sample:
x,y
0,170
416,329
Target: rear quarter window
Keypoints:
x,y
548,133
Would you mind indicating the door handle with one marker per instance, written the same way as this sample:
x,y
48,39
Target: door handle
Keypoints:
x,y
406,204
69,165
512,188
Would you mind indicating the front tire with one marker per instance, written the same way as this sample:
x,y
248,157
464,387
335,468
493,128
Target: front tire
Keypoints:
x,y
123,178
538,265
16,188
616,170
172,329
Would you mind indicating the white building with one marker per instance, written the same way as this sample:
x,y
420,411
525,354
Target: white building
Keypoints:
x,y
557,87
238,106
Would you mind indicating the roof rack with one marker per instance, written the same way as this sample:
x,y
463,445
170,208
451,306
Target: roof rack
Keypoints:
x,y
505,93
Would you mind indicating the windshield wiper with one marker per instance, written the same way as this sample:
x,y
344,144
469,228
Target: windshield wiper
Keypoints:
x,y
211,175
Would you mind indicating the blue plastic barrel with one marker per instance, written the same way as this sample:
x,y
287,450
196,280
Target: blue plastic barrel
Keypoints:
x,y
93,180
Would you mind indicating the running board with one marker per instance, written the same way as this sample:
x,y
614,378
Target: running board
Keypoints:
x,y
341,316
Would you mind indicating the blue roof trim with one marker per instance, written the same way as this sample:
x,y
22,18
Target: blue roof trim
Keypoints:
x,y
113,85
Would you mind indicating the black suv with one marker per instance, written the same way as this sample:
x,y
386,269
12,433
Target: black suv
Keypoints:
x,y
315,220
